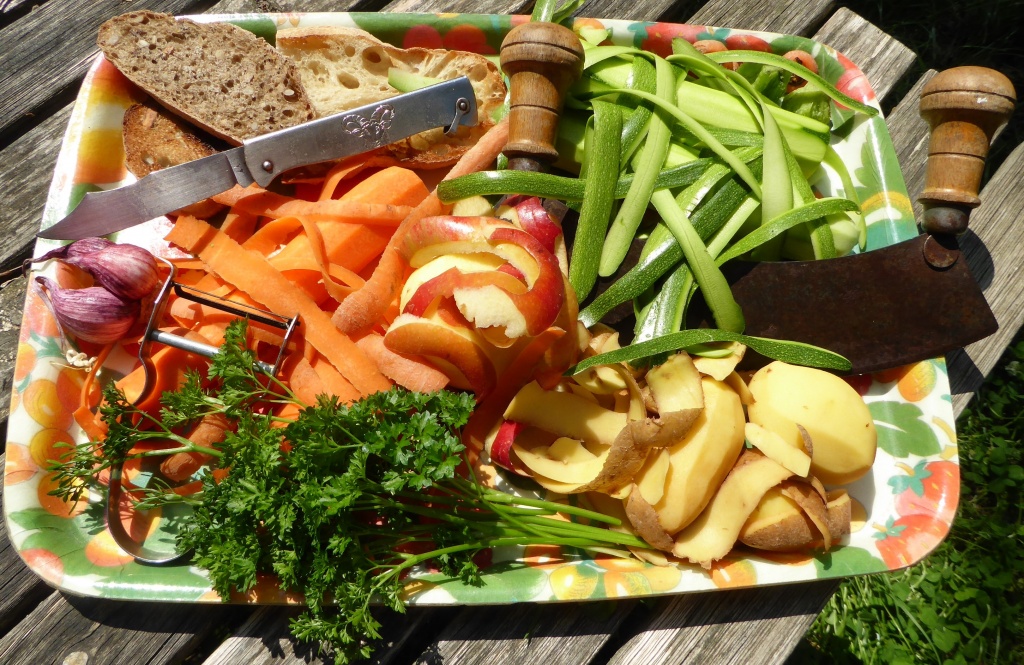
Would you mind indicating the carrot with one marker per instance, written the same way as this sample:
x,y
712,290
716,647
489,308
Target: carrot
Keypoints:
x,y
304,381
334,383
236,193
251,273
239,225
412,373
83,415
273,205
393,185
169,365
207,433
364,308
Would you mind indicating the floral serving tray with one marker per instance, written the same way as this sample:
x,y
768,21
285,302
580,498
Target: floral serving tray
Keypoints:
x,y
903,509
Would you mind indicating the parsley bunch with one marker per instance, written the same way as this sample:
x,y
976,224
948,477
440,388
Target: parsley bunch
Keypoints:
x,y
342,501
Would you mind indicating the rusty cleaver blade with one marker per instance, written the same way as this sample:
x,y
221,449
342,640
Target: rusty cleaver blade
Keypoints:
x,y
910,301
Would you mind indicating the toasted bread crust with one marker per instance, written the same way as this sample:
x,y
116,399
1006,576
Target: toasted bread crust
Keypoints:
x,y
154,139
216,75
343,68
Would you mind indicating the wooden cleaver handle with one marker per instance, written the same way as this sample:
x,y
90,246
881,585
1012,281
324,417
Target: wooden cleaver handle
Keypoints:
x,y
964,107
541,61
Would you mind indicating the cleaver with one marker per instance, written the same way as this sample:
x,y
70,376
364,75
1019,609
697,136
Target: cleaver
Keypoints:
x,y
260,160
910,301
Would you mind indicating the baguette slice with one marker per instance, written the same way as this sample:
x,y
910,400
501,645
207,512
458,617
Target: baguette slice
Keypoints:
x,y
344,68
218,76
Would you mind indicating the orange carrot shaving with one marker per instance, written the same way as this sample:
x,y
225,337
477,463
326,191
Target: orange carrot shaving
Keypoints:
x,y
236,193
251,273
361,310
333,382
304,381
207,433
408,372
84,415
273,205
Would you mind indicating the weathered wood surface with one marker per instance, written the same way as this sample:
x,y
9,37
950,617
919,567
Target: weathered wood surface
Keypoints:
x,y
740,626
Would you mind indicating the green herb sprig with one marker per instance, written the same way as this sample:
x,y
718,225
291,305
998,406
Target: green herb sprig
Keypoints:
x,y
342,502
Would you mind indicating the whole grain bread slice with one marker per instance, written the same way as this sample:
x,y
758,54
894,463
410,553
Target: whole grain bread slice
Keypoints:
x,y
218,76
344,68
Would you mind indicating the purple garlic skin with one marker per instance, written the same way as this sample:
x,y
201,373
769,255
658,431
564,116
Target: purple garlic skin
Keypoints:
x,y
127,271
92,314
76,249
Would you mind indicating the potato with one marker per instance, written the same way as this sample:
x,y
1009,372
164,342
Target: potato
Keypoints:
x,y
833,413
714,533
675,384
565,414
779,524
700,461
780,450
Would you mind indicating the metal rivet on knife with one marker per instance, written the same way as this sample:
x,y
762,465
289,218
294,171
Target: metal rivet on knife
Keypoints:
x,y
268,166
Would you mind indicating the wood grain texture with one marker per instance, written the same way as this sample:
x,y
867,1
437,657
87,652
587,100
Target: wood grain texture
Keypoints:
x,y
742,626
549,634
26,169
113,632
20,589
55,45
655,10
791,18
461,6
869,48
993,247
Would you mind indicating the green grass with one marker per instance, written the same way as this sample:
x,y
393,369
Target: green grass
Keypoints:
x,y
965,602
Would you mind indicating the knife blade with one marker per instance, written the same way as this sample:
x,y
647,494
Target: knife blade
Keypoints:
x,y
260,160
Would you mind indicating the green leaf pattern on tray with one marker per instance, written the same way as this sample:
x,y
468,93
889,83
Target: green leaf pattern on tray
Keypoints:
x,y
894,525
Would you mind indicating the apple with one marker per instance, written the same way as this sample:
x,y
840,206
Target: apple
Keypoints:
x,y
459,352
488,299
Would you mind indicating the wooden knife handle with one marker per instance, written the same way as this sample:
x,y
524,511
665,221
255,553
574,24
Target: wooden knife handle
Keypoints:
x,y
541,61
964,107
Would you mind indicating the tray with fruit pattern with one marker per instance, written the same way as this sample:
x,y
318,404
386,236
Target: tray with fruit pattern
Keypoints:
x,y
901,510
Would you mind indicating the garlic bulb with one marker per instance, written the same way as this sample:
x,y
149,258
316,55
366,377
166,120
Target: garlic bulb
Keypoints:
x,y
93,314
76,249
126,271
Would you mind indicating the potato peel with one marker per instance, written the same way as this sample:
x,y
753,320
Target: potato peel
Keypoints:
x,y
645,522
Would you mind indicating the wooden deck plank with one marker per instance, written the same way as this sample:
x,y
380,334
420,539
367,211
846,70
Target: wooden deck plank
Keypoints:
x,y
742,626
26,169
993,251
887,60
62,27
20,590
789,18
111,632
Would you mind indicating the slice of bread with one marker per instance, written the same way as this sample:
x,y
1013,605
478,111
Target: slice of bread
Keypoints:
x,y
218,76
155,139
344,68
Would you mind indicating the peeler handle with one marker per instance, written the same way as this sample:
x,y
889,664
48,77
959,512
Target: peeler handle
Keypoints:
x,y
963,106
541,60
